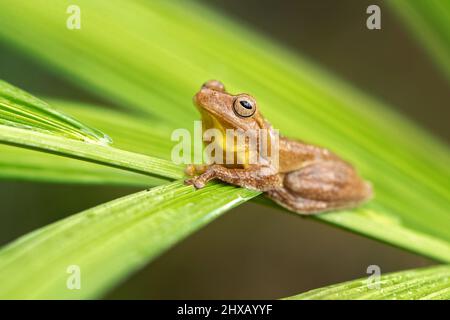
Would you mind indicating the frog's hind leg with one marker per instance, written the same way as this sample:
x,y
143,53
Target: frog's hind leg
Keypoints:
x,y
321,186
293,202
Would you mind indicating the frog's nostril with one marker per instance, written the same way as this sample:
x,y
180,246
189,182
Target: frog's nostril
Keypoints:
x,y
214,85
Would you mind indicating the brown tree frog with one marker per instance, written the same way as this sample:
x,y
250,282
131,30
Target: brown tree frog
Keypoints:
x,y
308,179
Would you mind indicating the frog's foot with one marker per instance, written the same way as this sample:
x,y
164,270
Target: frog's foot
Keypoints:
x,y
197,183
200,181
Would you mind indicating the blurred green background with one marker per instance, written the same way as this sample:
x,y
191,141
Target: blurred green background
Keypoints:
x,y
255,251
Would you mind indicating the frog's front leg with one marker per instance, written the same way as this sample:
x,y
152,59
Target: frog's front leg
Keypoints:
x,y
254,177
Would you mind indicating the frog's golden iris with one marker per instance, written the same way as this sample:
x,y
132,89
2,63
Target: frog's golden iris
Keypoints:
x,y
243,106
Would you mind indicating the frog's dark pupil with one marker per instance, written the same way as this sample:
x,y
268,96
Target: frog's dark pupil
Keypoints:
x,y
245,104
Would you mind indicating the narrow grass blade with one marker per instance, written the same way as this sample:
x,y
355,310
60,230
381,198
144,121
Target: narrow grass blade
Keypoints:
x,y
22,110
28,116
18,164
431,283
130,133
105,155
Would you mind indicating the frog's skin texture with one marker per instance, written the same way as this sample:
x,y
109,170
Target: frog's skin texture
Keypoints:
x,y
309,179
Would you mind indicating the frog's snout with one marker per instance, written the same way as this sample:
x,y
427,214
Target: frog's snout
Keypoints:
x,y
205,97
197,99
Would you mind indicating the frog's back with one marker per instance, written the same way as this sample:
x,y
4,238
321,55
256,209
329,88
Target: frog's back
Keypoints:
x,y
294,154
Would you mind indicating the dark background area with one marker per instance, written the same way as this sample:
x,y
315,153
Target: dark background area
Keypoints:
x,y
254,251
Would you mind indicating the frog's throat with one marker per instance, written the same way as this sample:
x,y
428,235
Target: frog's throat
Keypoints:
x,y
220,142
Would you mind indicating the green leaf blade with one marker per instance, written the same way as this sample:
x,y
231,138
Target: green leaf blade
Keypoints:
x,y
110,241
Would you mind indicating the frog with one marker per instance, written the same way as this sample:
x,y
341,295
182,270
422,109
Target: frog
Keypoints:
x,y
307,178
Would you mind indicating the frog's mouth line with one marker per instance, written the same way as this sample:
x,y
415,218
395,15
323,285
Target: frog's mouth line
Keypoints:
x,y
210,119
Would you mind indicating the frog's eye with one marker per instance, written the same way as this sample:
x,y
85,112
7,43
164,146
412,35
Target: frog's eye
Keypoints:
x,y
244,106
